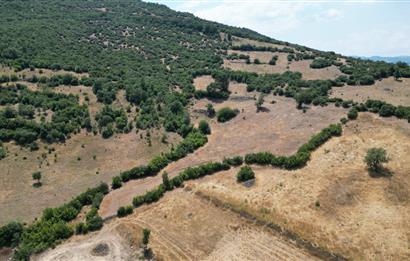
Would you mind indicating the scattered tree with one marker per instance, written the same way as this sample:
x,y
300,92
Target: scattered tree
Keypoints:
x,y
375,157
37,176
225,114
116,182
259,102
210,111
165,180
245,173
204,127
352,114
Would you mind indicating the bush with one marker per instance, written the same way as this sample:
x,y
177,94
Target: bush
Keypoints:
x,y
352,114
10,234
375,157
116,182
234,161
3,153
210,111
244,174
204,127
124,211
387,110
226,114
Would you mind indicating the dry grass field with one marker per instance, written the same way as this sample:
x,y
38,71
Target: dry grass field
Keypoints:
x,y
237,41
388,90
183,227
27,73
279,128
68,170
333,202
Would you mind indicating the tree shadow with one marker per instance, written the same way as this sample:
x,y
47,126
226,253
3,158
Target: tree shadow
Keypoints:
x,y
37,184
263,109
381,172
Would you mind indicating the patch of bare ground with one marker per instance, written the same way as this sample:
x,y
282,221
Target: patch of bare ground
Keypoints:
x,y
388,90
279,128
83,161
282,65
333,202
237,41
201,82
186,227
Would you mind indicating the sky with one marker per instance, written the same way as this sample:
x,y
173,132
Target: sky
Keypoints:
x,y
349,27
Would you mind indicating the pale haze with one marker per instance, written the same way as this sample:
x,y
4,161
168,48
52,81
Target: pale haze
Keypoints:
x,y
362,28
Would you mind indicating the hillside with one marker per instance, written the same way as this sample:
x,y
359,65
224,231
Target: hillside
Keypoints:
x,y
121,108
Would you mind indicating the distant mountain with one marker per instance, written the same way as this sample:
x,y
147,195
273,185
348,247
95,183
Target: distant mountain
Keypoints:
x,y
393,59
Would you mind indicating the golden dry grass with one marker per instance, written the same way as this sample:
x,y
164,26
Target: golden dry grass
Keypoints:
x,y
389,90
360,217
201,82
237,41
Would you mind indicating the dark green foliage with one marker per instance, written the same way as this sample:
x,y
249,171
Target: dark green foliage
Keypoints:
x,y
352,114
3,152
37,176
109,117
116,182
167,183
226,114
145,236
234,161
387,110
319,63
245,173
10,234
273,60
375,157
204,127
68,116
124,211
210,111
256,61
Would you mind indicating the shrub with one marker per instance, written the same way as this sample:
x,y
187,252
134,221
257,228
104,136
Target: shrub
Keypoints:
x,y
387,110
375,157
352,114
10,234
3,153
210,111
116,182
226,114
234,161
256,61
244,174
124,211
204,127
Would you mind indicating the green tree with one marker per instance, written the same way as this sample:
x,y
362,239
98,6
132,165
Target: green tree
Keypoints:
x,y
259,102
256,61
210,111
37,176
375,157
166,181
225,114
204,127
116,182
245,173
352,114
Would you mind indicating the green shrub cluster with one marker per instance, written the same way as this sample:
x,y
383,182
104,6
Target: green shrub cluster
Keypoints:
x,y
386,110
319,63
112,120
234,161
236,56
302,155
188,174
124,211
226,114
244,174
53,226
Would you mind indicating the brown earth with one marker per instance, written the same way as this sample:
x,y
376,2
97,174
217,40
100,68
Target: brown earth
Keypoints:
x,y
237,41
279,128
201,82
333,202
184,227
70,172
389,90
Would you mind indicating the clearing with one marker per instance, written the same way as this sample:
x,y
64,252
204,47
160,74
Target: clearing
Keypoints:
x,y
388,90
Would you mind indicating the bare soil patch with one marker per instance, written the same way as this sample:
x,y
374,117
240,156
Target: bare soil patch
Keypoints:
x,y
281,129
69,170
389,90
201,82
333,202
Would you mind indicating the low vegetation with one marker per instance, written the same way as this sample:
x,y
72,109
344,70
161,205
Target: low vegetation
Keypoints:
x,y
226,114
244,174
375,157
